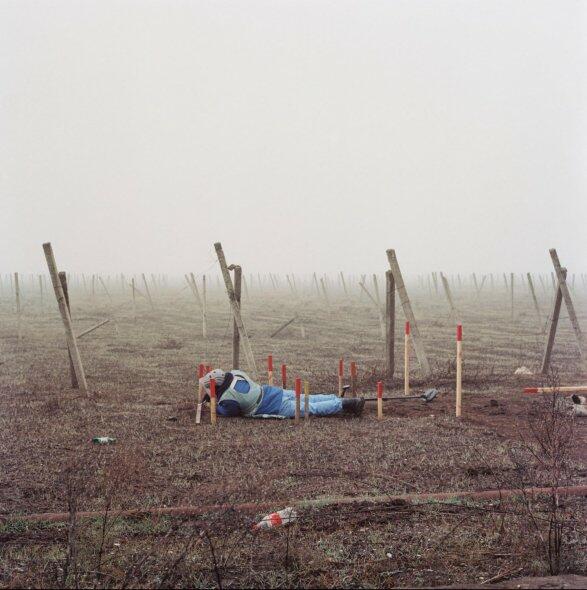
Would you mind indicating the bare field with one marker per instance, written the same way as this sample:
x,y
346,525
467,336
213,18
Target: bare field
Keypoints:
x,y
142,377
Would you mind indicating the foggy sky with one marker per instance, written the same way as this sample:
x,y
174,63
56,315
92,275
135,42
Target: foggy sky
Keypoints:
x,y
304,135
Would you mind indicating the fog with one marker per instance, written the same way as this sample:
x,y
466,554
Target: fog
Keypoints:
x,y
304,135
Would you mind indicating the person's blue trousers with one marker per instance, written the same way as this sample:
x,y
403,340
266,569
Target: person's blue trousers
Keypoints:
x,y
321,404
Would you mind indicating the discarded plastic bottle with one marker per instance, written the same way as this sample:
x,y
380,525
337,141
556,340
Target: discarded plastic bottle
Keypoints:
x,y
103,440
283,517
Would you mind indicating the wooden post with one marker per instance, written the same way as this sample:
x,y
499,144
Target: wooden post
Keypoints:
x,y
306,400
562,286
353,378
407,360
340,376
235,308
534,299
552,325
134,300
235,332
213,402
379,400
283,376
378,298
324,291
377,307
283,326
270,369
204,306
346,293
389,324
41,290
459,370
18,307
407,307
104,287
66,317
298,390
147,291
453,309
63,280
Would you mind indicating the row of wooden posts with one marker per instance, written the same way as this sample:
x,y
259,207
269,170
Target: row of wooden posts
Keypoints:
x,y
394,284
204,369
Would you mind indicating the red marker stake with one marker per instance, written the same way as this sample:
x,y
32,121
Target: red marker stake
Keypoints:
x,y
298,399
379,400
407,360
270,369
213,402
283,376
340,376
354,378
459,387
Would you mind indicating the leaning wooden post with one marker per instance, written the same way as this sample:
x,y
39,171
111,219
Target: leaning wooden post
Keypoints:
x,y
283,376
340,377
63,280
354,378
389,324
235,308
18,306
235,332
407,307
552,325
407,359
270,369
134,300
298,389
65,316
534,299
453,310
306,400
213,402
324,291
379,400
459,370
148,292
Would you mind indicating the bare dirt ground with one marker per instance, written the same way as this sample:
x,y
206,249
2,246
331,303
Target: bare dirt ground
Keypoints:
x,y
142,376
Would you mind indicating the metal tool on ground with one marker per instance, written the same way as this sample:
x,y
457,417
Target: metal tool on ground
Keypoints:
x,y
427,396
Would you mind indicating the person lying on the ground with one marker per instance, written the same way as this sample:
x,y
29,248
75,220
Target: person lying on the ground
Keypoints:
x,y
238,395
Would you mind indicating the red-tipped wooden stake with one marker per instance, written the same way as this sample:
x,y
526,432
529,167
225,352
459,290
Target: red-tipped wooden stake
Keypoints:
x,y
283,376
567,389
379,400
298,398
407,360
306,400
270,369
459,387
353,378
212,402
340,376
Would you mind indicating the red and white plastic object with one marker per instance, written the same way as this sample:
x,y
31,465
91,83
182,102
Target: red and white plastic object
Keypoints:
x,y
276,519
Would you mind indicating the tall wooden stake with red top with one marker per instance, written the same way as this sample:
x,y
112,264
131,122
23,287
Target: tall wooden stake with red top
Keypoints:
x,y
213,402
407,360
353,378
298,399
306,400
283,376
379,400
270,369
340,376
459,391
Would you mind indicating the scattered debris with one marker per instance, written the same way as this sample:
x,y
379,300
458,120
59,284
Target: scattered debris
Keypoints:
x,y
523,371
103,440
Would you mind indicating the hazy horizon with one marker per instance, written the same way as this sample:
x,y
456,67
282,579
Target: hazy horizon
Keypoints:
x,y
305,136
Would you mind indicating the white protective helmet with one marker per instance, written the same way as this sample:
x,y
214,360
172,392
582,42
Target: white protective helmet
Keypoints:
x,y
217,374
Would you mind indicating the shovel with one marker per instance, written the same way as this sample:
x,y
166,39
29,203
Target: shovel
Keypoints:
x,y
427,396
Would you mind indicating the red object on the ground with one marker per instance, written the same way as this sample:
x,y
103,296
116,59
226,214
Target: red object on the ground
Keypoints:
x,y
380,389
270,362
353,369
283,376
212,388
201,372
530,389
407,328
340,368
459,332
298,387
